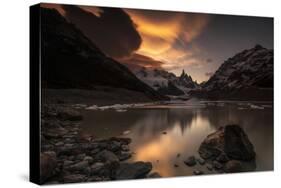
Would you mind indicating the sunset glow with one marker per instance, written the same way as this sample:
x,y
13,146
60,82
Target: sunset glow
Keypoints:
x,y
198,43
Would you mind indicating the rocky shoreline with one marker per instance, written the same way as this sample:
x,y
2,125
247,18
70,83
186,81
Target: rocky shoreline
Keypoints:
x,y
67,158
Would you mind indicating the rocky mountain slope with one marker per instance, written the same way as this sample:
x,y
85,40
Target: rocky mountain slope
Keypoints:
x,y
246,76
167,83
70,60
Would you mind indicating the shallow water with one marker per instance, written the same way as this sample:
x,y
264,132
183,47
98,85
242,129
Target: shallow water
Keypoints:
x,y
186,125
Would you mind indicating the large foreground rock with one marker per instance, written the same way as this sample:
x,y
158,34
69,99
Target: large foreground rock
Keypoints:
x,y
133,170
230,140
48,163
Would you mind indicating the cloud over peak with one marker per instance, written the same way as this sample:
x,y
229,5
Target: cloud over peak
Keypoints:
x,y
111,29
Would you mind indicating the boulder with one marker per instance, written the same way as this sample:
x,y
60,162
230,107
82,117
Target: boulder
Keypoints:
x,y
190,161
198,172
230,140
80,166
133,170
48,163
233,166
106,156
124,155
154,175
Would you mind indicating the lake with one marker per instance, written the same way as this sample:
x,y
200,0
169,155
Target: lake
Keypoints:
x,y
167,134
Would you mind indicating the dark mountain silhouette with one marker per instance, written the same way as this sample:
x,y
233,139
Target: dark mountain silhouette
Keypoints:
x,y
246,76
71,60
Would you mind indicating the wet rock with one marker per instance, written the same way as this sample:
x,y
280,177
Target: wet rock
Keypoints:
x,y
217,165
237,144
154,175
69,114
81,156
54,133
233,166
231,140
114,146
222,158
190,161
107,170
48,163
106,156
124,141
209,167
80,166
96,167
201,161
59,144
89,159
67,163
198,172
133,170
125,148
124,156
72,178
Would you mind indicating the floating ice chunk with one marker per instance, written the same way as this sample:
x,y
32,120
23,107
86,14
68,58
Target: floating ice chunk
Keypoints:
x,y
256,107
121,110
241,108
126,132
93,107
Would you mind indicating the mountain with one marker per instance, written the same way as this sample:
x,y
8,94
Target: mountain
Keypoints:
x,y
246,76
167,83
71,60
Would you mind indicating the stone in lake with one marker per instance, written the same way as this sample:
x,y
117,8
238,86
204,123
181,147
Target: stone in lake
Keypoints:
x,y
231,140
201,161
133,170
217,165
48,163
106,156
198,172
73,178
222,158
124,156
233,166
190,161
154,175
209,167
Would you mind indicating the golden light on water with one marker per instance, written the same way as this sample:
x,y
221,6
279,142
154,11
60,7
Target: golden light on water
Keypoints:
x,y
163,150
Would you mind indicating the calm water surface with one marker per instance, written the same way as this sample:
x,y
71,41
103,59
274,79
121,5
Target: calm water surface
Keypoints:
x,y
186,125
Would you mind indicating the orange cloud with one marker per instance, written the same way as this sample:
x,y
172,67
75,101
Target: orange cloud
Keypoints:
x,y
160,31
58,7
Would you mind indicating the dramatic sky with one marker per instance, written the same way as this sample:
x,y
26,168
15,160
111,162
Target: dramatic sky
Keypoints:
x,y
197,43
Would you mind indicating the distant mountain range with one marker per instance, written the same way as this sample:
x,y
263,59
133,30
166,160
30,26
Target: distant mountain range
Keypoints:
x,y
71,60
246,76
166,82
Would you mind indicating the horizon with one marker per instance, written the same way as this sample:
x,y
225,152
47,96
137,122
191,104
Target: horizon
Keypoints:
x,y
174,41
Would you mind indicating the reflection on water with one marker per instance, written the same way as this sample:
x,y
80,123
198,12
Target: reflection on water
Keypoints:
x,y
186,128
